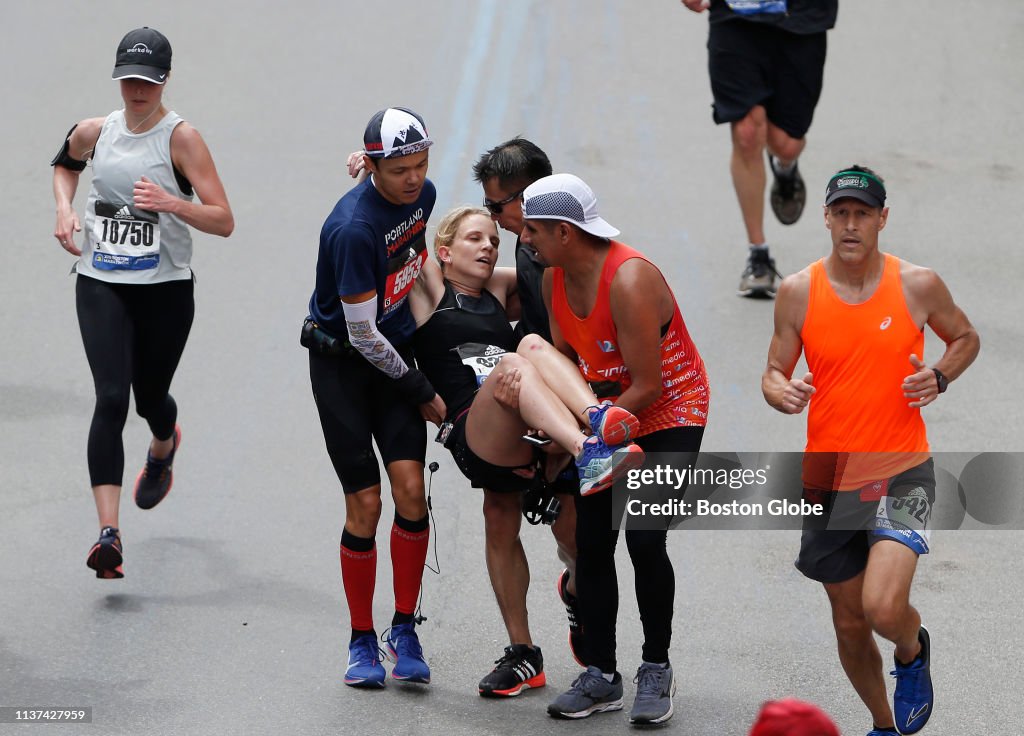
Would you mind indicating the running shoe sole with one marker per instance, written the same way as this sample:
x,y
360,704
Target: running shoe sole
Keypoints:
x,y
138,478
365,684
619,426
538,680
628,458
595,708
106,560
392,657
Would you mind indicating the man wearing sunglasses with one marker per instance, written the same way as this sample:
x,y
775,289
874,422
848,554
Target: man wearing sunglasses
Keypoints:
x,y
504,172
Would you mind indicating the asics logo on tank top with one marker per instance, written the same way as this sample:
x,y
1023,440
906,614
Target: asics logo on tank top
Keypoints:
x,y
885,323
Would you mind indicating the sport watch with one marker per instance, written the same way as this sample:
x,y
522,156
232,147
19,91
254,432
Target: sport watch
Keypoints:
x,y
941,380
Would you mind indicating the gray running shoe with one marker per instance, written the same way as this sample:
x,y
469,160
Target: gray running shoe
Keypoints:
x,y
788,193
758,279
655,686
590,693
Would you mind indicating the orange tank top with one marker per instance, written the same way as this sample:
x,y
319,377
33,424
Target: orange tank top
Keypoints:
x,y
859,355
684,393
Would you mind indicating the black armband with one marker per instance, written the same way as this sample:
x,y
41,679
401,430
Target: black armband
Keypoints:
x,y
63,158
414,387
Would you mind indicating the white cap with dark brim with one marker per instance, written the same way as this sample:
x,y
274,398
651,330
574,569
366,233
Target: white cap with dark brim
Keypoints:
x,y
565,197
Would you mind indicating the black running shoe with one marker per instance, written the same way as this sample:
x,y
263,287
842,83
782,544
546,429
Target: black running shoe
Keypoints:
x,y
572,612
157,477
107,556
520,668
758,278
788,193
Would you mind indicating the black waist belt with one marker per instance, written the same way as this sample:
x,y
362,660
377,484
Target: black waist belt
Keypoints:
x,y
317,340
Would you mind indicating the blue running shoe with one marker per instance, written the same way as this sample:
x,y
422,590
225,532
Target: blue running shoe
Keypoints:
x,y
364,667
613,424
403,648
913,699
883,732
600,465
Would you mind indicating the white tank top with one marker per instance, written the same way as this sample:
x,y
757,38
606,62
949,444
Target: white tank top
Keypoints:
x,y
124,244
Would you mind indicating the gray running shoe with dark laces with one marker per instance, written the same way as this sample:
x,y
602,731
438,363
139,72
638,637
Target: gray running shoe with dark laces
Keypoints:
x,y
655,686
590,693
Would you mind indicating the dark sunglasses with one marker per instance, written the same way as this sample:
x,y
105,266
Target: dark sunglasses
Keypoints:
x,y
495,207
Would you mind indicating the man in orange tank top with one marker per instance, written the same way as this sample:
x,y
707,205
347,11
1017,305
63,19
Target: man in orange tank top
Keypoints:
x,y
632,345
858,316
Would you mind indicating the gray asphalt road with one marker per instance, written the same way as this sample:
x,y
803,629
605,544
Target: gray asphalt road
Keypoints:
x,y
231,618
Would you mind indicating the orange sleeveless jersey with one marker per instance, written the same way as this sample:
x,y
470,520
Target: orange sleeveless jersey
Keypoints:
x,y
684,394
859,355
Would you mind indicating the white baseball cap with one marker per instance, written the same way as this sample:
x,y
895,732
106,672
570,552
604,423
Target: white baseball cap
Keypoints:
x,y
565,197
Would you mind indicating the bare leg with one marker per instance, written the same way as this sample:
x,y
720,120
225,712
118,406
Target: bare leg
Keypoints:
x,y
749,137
362,512
108,501
507,566
561,374
887,581
407,488
858,652
493,430
783,147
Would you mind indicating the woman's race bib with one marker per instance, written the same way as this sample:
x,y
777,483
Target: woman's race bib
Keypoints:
x,y
125,238
479,358
754,7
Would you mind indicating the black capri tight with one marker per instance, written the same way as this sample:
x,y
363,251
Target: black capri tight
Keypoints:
x,y
134,335
597,586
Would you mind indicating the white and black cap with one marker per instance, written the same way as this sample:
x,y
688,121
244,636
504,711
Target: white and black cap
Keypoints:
x,y
394,132
143,54
565,197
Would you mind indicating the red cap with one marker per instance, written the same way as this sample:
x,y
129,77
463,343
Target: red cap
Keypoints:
x,y
792,717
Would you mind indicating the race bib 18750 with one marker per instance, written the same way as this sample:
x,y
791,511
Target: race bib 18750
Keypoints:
x,y
125,238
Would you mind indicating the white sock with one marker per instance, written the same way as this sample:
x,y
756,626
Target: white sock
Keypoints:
x,y
780,168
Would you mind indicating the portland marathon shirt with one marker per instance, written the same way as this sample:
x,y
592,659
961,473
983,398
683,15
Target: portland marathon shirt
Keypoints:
x,y
370,244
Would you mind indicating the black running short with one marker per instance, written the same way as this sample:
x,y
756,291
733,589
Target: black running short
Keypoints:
x,y
753,64
835,548
481,474
358,405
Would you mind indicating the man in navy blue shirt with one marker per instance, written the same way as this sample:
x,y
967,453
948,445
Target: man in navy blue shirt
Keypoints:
x,y
366,387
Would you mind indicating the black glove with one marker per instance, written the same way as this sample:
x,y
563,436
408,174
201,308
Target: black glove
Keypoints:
x,y
414,387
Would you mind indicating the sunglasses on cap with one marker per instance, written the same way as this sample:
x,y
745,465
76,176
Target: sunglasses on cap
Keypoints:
x,y
495,208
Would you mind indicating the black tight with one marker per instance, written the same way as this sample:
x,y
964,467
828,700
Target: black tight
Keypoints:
x,y
597,586
134,336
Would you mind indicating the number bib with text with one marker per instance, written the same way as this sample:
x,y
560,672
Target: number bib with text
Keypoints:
x,y
402,273
125,237
479,358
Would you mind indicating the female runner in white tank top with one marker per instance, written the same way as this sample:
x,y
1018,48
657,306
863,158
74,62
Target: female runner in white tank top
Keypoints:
x,y
134,282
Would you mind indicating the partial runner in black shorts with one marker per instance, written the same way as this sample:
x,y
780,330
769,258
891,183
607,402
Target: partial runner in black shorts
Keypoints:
x,y
835,548
357,405
752,64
